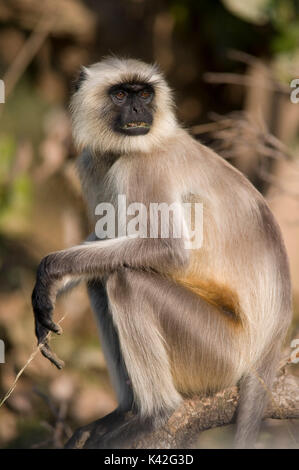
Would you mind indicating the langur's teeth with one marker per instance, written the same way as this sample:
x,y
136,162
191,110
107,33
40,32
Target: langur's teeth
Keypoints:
x,y
135,124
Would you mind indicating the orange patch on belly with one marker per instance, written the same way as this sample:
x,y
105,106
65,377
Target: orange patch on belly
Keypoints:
x,y
216,294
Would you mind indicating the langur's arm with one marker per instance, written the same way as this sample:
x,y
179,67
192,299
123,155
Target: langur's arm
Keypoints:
x,y
92,259
69,283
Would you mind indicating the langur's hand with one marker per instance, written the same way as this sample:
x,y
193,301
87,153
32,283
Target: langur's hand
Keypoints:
x,y
43,299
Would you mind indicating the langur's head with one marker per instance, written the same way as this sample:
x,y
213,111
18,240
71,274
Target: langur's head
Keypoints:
x,y
121,105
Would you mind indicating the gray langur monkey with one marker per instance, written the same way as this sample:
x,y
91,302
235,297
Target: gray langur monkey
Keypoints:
x,y
174,321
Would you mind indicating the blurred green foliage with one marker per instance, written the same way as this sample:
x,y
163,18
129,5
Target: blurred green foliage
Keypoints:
x,y
284,16
15,192
23,112
21,119
281,15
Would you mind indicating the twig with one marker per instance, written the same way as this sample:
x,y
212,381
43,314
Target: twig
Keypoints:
x,y
244,80
30,359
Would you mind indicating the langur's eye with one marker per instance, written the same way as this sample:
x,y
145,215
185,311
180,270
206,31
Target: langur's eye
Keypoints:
x,y
145,94
120,95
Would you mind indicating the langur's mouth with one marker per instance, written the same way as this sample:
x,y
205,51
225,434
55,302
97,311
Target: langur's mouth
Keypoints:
x,y
133,125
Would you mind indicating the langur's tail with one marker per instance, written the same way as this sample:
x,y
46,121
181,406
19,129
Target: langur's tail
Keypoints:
x,y
255,393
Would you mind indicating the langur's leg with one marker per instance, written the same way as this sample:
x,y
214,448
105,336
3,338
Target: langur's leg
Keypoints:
x,y
110,344
117,369
144,353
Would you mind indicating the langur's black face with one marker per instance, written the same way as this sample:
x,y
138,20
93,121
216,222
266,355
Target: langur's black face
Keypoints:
x,y
133,108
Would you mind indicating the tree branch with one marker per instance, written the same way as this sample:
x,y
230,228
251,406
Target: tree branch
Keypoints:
x,y
199,414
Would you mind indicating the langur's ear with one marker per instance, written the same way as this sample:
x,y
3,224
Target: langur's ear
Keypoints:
x,y
81,77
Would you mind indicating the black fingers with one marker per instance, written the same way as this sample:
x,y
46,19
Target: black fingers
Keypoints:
x,y
42,335
43,307
43,310
40,332
49,354
48,323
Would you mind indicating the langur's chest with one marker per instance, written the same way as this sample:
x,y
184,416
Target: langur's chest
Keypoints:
x,y
102,185
127,181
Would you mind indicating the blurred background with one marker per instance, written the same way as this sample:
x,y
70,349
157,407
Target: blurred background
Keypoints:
x,y
230,63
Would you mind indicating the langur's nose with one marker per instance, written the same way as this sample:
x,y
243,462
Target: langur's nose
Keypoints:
x,y
136,108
